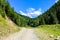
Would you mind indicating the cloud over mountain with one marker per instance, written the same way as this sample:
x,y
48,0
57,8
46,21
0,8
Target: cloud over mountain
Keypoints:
x,y
31,12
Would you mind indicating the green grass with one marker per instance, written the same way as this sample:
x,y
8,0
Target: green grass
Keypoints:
x,y
51,29
44,31
6,29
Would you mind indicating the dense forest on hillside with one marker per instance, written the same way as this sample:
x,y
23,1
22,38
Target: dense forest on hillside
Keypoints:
x,y
51,16
7,10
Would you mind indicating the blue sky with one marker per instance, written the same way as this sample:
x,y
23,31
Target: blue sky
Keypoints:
x,y
31,8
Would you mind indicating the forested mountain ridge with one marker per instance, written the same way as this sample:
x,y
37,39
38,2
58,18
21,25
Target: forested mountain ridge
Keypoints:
x,y
51,16
7,10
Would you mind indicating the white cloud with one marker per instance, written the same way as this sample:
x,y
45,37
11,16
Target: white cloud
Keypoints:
x,y
56,1
31,12
37,12
22,13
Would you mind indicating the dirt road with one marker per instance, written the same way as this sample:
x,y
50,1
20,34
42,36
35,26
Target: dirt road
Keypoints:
x,y
24,34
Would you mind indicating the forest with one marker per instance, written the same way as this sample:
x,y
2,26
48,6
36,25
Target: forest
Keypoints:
x,y
51,16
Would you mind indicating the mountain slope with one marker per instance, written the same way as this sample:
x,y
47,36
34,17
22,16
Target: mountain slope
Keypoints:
x,y
7,26
7,10
51,16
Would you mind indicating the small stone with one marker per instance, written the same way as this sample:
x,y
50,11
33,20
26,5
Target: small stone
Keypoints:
x,y
58,38
51,36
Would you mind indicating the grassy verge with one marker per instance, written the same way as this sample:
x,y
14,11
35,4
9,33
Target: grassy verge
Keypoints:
x,y
44,31
6,28
51,29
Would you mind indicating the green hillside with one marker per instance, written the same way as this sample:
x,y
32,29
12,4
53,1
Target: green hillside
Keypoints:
x,y
51,16
48,32
6,25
